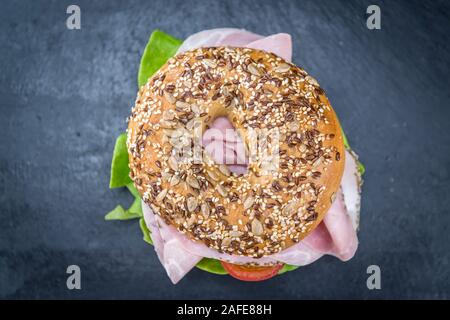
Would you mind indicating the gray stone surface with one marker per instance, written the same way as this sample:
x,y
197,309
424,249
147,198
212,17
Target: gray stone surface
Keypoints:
x,y
64,97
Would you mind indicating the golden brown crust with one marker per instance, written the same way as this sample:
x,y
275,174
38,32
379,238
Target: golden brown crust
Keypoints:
x,y
257,214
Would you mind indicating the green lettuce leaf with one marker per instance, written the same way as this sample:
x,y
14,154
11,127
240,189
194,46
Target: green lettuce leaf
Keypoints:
x,y
287,268
211,265
133,190
133,212
361,168
346,145
145,232
116,214
136,208
159,49
119,165
119,213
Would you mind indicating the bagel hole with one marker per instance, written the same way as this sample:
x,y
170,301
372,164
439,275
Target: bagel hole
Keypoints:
x,y
224,144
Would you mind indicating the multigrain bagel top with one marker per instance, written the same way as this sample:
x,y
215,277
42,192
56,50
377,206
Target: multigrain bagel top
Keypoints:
x,y
274,205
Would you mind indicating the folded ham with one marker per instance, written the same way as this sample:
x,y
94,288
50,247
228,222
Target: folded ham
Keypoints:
x,y
279,43
335,235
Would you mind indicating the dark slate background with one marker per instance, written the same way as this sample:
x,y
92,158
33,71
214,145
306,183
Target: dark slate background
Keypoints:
x,y
64,97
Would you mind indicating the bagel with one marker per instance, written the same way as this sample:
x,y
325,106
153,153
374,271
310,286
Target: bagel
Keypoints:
x,y
258,213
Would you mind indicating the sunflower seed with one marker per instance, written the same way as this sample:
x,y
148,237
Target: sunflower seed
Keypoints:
x,y
317,162
160,197
226,241
166,176
173,163
155,209
257,227
312,81
196,109
169,97
191,220
167,124
248,203
290,208
284,67
205,210
221,189
192,204
174,180
180,142
213,175
293,126
190,125
224,169
225,91
253,69
209,63
193,182
173,133
183,106
168,114
233,103
235,233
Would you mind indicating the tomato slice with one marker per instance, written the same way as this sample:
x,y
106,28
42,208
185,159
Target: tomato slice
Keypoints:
x,y
247,273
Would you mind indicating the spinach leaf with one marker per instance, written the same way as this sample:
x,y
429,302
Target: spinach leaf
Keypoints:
x,y
145,232
119,165
136,208
159,49
119,213
133,190
211,265
286,268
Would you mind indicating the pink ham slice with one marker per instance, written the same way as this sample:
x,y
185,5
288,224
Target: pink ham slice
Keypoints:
x,y
279,43
335,235
351,187
219,37
176,260
225,145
